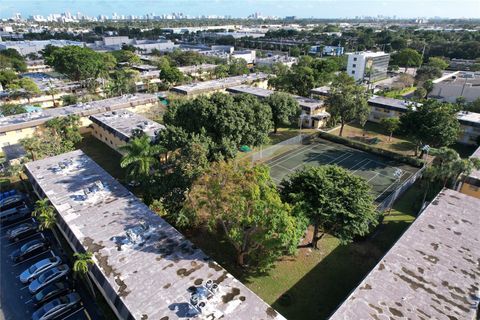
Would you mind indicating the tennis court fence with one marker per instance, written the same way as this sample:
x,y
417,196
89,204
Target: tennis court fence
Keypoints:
x,y
276,149
388,202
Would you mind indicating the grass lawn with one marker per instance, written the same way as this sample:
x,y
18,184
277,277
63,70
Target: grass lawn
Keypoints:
x,y
399,94
375,130
102,154
312,284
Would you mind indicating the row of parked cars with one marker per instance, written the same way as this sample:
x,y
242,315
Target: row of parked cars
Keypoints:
x,y
48,279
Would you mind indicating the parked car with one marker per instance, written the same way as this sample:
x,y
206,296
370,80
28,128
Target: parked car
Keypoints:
x,y
48,277
11,201
38,268
51,292
14,214
22,231
30,249
58,307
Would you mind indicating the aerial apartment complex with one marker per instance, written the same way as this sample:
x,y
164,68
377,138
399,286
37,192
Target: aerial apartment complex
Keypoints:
x,y
259,79
368,66
143,267
314,114
115,128
432,270
16,127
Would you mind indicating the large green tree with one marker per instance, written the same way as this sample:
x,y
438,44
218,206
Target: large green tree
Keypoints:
x,y
347,101
433,123
79,63
230,121
284,109
9,109
245,204
334,200
407,58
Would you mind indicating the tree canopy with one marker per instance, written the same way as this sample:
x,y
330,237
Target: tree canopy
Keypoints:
x,y
79,63
285,109
334,200
407,58
245,204
230,121
347,101
433,123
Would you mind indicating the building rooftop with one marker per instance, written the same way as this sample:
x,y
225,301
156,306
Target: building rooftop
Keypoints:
x,y
196,68
469,118
212,85
369,54
147,262
33,119
323,91
391,103
431,272
304,102
122,122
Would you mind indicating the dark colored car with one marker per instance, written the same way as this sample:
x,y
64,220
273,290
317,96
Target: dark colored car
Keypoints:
x,y
50,292
48,277
38,268
12,201
58,307
30,249
22,231
15,214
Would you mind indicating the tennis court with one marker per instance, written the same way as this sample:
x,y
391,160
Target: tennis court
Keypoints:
x,y
382,174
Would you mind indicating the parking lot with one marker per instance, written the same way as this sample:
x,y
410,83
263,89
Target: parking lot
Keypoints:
x,y
15,299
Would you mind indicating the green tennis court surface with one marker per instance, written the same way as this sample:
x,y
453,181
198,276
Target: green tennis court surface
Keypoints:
x,y
382,174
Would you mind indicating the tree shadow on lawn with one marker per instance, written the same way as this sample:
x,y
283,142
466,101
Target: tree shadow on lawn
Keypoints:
x,y
403,146
318,294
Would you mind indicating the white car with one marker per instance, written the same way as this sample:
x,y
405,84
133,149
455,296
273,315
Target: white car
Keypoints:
x,y
38,268
49,276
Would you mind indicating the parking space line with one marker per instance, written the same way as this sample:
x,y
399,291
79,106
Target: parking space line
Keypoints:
x,y
20,241
36,256
16,223
28,301
75,312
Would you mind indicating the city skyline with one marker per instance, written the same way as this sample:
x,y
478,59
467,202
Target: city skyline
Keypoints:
x,y
301,8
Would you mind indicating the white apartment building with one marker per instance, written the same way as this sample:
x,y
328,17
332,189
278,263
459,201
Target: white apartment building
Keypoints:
x,y
369,66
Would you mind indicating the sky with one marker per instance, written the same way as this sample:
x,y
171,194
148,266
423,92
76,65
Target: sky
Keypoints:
x,y
243,8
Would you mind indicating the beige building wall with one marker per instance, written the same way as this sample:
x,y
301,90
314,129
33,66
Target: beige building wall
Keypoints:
x,y
106,137
13,137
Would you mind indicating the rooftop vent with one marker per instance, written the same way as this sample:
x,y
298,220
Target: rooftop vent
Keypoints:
x,y
90,191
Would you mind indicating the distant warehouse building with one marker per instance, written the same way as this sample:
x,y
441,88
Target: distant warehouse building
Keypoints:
x,y
193,89
35,46
116,128
16,127
143,266
368,66
455,85
313,115
431,272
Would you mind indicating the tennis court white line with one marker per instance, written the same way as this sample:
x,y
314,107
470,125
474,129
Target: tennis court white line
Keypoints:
x,y
359,165
279,165
337,162
289,156
376,175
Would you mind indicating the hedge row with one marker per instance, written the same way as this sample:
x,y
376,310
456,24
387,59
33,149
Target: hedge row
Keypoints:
x,y
371,149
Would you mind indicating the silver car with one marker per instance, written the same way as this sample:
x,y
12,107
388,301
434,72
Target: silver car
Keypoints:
x,y
38,268
49,276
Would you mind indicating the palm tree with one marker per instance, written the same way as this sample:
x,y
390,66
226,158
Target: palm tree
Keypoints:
x,y
52,92
140,156
82,266
46,215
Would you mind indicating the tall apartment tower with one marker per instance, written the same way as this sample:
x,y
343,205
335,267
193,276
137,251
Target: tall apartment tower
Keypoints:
x,y
368,66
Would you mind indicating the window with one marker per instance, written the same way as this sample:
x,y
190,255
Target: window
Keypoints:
x,y
353,71
354,59
3,134
18,130
354,65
